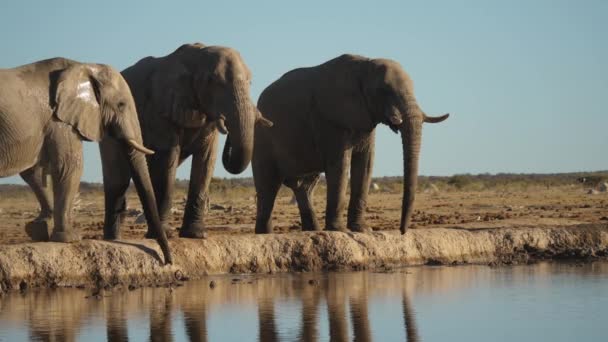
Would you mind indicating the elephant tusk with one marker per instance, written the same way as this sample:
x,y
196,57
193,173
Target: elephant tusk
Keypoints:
x,y
139,147
396,121
264,122
435,119
221,125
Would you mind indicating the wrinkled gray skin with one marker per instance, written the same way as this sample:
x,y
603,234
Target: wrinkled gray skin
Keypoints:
x,y
183,100
324,121
46,109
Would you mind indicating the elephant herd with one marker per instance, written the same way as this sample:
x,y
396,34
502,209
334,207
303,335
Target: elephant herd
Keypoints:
x,y
156,113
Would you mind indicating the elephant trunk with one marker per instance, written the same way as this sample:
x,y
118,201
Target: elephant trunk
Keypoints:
x,y
127,129
411,134
143,184
240,121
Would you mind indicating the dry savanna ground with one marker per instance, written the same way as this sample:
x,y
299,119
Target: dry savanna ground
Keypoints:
x,y
443,204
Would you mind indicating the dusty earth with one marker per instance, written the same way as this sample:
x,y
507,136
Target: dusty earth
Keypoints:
x,y
234,213
452,227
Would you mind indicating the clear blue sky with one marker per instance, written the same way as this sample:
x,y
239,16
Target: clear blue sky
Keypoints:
x,y
526,82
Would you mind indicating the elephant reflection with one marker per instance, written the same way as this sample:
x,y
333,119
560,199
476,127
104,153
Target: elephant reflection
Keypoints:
x,y
338,292
345,296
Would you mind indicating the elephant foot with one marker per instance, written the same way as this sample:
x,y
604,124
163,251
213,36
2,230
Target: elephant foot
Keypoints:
x,y
110,236
193,232
38,230
336,228
311,228
112,231
263,228
360,228
69,236
152,235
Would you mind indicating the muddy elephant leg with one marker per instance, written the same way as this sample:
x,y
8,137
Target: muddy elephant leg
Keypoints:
x,y
116,179
66,172
362,164
336,174
267,185
265,198
203,163
38,229
162,166
303,193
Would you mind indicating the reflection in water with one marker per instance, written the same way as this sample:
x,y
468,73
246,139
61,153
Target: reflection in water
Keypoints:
x,y
340,306
116,321
267,326
160,319
345,295
411,331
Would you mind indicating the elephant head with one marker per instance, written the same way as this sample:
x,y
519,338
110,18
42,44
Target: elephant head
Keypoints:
x,y
210,83
95,100
389,97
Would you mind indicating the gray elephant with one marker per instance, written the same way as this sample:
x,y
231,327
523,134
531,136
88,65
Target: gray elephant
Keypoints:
x,y
182,99
324,121
46,109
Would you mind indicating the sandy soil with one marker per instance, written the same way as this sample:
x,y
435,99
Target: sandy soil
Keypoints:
x,y
535,208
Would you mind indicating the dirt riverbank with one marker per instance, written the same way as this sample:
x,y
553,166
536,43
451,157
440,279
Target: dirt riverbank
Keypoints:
x,y
134,263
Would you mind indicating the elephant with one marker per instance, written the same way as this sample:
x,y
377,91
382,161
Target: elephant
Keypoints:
x,y
324,121
183,100
46,109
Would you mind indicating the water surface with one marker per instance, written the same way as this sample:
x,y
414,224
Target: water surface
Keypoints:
x,y
543,302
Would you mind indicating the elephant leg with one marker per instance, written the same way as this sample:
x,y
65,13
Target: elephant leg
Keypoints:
x,y
203,163
67,170
267,185
38,229
163,165
116,179
360,178
303,192
336,174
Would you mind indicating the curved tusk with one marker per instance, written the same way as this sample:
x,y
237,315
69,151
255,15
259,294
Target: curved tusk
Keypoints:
x,y
221,126
264,122
395,120
435,119
139,147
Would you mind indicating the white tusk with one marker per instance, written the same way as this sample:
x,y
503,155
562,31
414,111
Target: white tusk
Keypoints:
x,y
221,126
264,122
395,120
139,147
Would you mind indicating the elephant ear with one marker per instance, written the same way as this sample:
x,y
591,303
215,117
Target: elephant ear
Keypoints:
x,y
174,97
341,100
77,101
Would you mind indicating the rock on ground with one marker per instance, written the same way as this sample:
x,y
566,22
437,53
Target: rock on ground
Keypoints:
x,y
139,262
